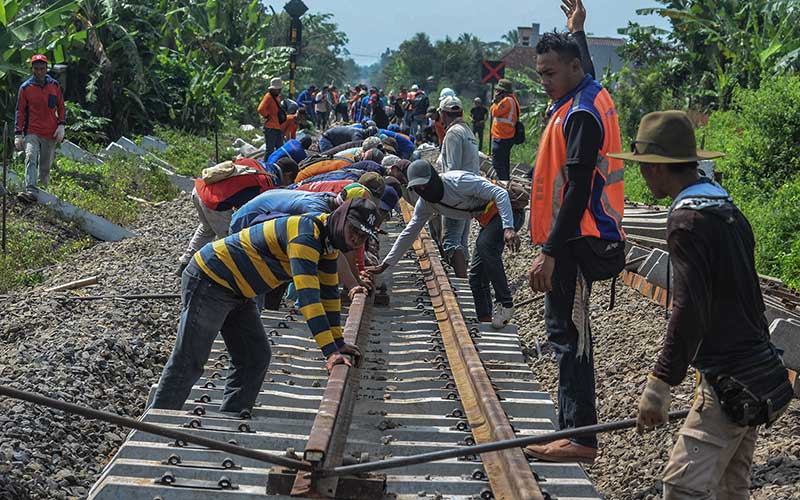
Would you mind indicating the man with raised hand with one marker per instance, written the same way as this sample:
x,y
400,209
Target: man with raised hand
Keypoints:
x,y
577,201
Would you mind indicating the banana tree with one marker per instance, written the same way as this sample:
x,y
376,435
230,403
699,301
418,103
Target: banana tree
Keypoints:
x,y
25,29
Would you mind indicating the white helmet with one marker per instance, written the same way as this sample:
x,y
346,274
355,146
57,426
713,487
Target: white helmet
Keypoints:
x,y
446,92
415,87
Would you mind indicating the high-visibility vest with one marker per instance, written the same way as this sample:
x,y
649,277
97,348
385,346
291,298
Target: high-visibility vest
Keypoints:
x,y
603,215
506,115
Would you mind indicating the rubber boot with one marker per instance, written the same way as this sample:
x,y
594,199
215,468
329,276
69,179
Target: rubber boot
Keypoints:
x,y
459,263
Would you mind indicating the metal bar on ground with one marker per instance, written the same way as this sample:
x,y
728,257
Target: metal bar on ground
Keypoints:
x,y
463,451
158,430
509,473
128,297
328,435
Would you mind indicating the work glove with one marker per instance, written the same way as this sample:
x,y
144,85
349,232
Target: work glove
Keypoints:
x,y
19,143
653,405
353,351
59,133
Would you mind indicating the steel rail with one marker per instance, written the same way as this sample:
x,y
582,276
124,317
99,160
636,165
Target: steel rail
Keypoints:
x,y
463,451
509,473
328,435
149,428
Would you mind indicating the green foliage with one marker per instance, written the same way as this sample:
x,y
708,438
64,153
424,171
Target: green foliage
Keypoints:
x,y
30,249
761,138
188,153
104,189
83,127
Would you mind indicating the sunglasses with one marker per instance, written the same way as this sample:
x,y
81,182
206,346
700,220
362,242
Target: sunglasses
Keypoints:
x,y
656,145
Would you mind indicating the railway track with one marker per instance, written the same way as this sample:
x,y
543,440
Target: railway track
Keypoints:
x,y
432,379
646,229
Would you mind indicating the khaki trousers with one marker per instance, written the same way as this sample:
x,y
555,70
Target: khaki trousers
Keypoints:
x,y
39,153
712,457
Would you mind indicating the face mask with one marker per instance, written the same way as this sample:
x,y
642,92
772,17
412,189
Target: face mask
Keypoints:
x,y
434,190
336,227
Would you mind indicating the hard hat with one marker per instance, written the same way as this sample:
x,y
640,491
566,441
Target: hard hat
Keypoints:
x,y
446,92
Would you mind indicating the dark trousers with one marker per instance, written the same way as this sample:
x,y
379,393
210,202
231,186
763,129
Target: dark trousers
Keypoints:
x,y
486,269
273,139
576,385
501,158
479,132
209,309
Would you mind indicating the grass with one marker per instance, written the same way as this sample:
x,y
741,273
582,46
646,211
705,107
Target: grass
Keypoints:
x,y
190,153
30,249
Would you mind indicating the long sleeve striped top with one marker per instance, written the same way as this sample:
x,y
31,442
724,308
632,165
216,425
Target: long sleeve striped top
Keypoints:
x,y
265,256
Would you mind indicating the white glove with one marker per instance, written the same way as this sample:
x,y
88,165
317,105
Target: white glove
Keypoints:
x,y
19,142
59,133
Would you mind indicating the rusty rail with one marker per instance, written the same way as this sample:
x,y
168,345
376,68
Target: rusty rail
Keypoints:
x,y
328,435
510,475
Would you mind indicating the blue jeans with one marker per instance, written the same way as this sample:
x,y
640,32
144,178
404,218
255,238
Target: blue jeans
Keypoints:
x,y
209,309
273,139
576,385
324,144
456,237
486,269
501,158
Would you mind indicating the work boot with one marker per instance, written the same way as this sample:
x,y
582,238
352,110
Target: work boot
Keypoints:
x,y
459,263
502,315
562,450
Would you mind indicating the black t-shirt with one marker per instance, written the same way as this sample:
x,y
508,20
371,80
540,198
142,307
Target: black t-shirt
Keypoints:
x,y
717,306
584,138
478,114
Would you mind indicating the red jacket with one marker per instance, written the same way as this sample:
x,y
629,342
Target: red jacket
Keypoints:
x,y
234,192
37,106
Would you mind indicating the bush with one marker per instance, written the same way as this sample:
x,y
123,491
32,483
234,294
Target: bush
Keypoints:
x,y
761,138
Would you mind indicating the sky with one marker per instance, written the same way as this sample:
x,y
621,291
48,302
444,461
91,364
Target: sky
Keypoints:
x,y
374,26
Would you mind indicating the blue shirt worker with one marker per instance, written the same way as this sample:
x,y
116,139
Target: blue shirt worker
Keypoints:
x,y
218,287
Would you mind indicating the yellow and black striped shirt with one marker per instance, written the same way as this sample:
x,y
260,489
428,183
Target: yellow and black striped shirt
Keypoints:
x,y
263,257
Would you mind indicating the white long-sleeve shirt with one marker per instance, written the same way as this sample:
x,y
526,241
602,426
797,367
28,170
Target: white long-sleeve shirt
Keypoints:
x,y
465,197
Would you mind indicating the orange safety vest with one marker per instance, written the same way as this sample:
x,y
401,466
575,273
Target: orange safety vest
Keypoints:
x,y
603,215
506,115
323,166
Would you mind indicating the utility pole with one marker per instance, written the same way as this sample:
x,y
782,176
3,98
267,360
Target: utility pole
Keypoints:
x,y
295,9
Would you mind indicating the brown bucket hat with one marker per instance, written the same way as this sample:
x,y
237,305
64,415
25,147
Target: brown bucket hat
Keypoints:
x,y
666,137
506,85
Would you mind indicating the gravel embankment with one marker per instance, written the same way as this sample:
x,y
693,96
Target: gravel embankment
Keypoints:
x,y
103,354
626,342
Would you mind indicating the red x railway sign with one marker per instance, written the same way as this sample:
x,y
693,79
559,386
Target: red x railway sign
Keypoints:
x,y
492,71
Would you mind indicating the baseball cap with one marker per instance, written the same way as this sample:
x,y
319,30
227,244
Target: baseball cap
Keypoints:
x,y
363,215
39,58
419,173
353,191
374,182
389,199
451,103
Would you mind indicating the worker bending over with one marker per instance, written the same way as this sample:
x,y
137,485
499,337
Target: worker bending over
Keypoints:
x,y
463,195
218,287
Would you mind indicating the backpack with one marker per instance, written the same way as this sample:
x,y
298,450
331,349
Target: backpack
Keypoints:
x,y
226,170
519,133
281,110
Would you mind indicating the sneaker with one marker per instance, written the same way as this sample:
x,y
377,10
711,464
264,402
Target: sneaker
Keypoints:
x,y
501,316
562,450
26,197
